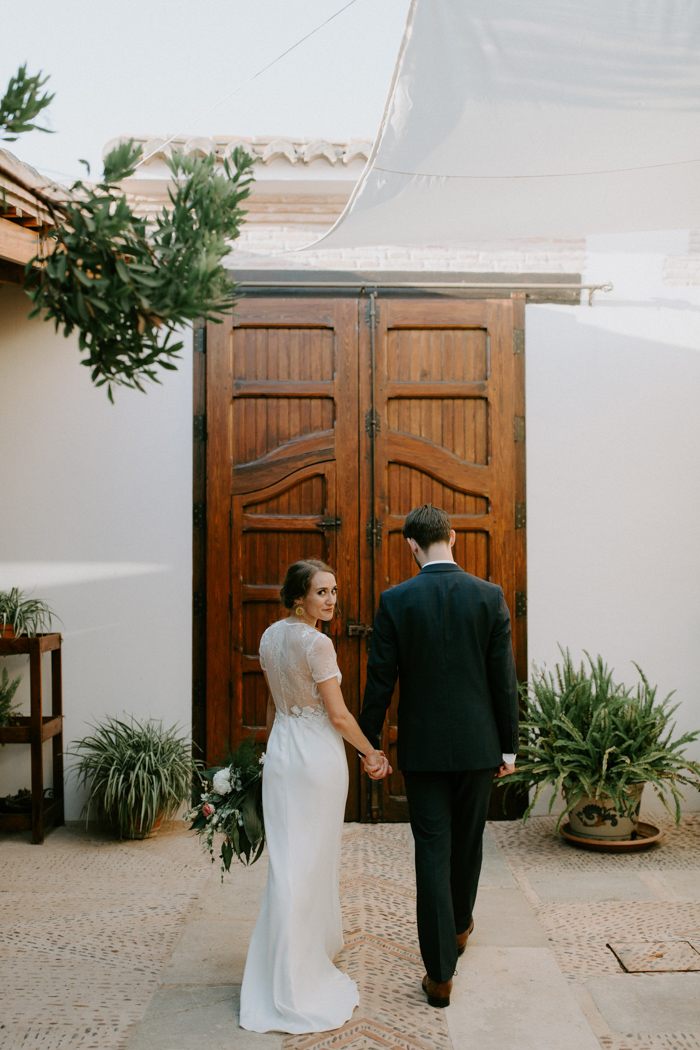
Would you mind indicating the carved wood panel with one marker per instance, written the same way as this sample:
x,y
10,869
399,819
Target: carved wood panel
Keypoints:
x,y
443,389
290,384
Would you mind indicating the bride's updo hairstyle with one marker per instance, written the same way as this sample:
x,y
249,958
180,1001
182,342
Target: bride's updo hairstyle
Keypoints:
x,y
297,580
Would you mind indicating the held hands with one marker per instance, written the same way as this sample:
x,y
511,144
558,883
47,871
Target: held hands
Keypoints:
x,y
376,765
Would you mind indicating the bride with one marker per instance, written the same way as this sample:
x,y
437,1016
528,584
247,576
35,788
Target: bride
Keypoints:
x,y
290,983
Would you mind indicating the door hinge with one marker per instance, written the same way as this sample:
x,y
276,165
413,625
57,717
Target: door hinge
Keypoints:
x,y
520,516
372,313
328,524
198,515
199,338
520,604
519,428
374,532
199,428
518,340
198,604
373,422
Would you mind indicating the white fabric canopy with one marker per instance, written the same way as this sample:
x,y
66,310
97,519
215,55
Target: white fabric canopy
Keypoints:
x,y
534,118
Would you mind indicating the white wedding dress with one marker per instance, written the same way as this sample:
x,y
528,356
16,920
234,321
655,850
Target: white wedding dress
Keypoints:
x,y
290,983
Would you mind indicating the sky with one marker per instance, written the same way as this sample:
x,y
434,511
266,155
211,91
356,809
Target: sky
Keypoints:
x,y
154,67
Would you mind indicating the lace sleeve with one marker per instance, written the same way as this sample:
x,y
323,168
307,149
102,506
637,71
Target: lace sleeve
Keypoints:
x,y
261,651
322,659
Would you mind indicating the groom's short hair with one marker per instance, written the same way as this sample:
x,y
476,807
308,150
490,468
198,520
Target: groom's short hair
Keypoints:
x,y
427,525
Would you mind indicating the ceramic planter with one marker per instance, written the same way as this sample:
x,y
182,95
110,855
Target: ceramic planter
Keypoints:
x,y
145,832
597,818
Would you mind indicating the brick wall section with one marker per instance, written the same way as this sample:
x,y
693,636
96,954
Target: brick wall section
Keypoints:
x,y
263,244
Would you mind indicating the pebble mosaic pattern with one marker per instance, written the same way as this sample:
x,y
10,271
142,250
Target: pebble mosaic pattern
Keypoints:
x,y
672,1041
86,926
536,846
378,901
579,931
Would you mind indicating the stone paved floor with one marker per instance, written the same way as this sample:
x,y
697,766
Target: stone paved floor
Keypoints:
x,y
138,946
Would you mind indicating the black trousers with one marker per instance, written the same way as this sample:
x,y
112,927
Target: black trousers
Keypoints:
x,y
448,814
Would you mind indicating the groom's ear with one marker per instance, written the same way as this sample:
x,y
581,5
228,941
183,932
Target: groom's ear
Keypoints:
x,y
453,537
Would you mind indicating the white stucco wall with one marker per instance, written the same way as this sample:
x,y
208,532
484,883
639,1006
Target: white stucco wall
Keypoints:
x,y
95,500
96,518
613,461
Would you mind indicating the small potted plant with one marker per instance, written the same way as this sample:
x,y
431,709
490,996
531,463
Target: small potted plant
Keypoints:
x,y
137,774
599,743
8,709
20,614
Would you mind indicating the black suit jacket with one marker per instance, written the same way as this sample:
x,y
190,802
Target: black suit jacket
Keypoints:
x,y
446,635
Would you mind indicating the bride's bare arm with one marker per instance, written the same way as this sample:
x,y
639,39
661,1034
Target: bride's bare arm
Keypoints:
x,y
346,724
270,712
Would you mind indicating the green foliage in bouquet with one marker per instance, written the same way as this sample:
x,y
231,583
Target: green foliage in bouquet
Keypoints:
x,y
8,709
588,736
231,805
135,772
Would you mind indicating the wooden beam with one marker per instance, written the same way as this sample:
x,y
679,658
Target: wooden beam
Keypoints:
x,y
11,273
17,244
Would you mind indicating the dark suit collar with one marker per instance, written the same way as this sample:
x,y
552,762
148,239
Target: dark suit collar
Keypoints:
x,y
442,567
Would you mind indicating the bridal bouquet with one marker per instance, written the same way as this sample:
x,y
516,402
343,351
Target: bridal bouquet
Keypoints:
x,y
231,805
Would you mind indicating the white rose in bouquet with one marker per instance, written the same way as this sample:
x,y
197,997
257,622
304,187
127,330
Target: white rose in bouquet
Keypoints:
x,y
222,782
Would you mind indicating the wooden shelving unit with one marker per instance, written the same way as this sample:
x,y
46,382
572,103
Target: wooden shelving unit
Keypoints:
x,y
35,731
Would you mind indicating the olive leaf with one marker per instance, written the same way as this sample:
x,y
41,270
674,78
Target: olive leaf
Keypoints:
x,y
126,283
129,284
22,103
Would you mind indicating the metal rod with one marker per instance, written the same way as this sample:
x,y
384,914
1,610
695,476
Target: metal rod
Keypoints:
x,y
427,285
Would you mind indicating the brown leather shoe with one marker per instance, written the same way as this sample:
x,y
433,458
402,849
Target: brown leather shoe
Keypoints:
x,y
438,993
462,939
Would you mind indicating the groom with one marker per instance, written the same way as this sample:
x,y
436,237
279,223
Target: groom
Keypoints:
x,y
446,636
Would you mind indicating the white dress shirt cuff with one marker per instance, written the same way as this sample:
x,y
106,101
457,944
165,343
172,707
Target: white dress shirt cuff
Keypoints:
x,y
508,760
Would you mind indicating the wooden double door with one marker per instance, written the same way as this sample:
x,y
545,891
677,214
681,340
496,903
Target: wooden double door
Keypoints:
x,y
327,421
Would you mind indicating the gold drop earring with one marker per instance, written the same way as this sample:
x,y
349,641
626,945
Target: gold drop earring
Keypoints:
x,y
299,610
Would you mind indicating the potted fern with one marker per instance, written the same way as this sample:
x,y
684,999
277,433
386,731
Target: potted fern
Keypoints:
x,y
20,614
137,774
9,710
599,743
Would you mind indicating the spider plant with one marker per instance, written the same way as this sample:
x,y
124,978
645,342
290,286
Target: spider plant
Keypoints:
x,y
588,736
25,615
8,710
137,773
